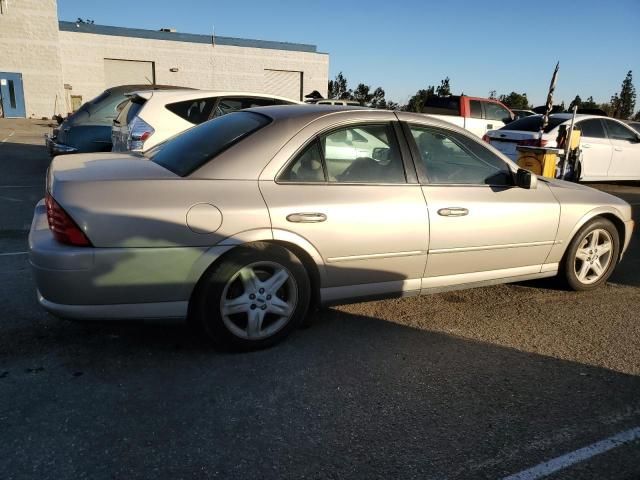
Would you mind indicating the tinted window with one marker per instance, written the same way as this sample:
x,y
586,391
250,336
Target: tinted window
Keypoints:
x,y
196,146
129,110
193,111
363,154
307,167
228,104
592,128
442,105
532,124
493,111
476,109
450,158
617,131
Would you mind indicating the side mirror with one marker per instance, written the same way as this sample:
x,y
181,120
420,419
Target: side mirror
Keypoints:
x,y
381,154
526,179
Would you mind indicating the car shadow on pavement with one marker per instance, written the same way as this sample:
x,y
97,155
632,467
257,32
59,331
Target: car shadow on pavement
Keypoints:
x,y
350,396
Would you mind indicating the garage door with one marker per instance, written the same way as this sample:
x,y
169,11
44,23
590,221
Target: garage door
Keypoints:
x,y
284,83
124,72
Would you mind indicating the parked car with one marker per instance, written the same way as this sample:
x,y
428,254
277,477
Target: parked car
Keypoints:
x,y
522,113
89,128
151,117
634,124
331,101
610,148
471,113
246,221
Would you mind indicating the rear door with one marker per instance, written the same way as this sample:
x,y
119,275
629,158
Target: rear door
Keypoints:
x,y
482,227
364,215
496,116
597,150
475,122
625,162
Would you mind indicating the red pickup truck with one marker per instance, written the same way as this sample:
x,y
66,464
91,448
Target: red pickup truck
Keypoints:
x,y
478,115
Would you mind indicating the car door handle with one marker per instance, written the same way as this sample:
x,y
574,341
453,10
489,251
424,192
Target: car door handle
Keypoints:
x,y
490,126
586,145
453,212
618,149
306,217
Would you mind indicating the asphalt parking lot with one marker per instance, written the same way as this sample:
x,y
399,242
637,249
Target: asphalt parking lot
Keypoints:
x,y
484,383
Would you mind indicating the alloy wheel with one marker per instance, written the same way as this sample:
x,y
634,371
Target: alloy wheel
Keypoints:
x,y
259,300
593,256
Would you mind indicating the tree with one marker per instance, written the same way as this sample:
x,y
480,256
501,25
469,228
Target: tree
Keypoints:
x,y
338,88
637,117
416,102
377,99
444,89
589,103
492,95
576,102
516,100
623,104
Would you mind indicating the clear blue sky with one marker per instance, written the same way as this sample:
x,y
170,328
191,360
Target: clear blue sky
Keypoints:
x,y
406,45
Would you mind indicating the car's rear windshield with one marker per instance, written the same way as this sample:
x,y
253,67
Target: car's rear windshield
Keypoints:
x,y
532,124
185,153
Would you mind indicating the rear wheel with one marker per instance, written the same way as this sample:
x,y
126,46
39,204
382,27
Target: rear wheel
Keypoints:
x,y
592,255
254,298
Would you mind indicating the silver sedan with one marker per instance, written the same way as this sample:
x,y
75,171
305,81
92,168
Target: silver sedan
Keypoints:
x,y
247,221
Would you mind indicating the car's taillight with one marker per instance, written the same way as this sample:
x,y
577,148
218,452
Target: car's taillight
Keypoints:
x,y
62,226
486,138
533,142
139,132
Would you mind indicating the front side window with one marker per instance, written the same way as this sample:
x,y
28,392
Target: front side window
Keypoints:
x,y
451,158
493,111
592,128
355,154
190,150
619,132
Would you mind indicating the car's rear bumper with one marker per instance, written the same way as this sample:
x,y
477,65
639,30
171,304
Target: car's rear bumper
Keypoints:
x,y
54,148
113,283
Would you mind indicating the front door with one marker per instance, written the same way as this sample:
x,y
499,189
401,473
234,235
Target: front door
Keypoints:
x,y
625,162
482,227
597,150
346,193
12,95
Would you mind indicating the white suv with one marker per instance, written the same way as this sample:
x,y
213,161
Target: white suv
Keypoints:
x,y
148,118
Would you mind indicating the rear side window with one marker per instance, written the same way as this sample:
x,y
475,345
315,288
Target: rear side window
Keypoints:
x,y
190,150
592,128
233,104
442,105
129,110
194,111
532,124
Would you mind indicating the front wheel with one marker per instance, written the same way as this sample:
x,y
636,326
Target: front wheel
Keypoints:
x,y
254,298
592,255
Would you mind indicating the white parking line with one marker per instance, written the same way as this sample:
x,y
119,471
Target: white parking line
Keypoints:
x,y
9,254
7,138
559,463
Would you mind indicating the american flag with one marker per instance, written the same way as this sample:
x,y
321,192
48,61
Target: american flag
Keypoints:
x,y
549,106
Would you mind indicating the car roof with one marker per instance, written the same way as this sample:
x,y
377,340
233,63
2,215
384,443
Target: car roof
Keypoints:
x,y
178,94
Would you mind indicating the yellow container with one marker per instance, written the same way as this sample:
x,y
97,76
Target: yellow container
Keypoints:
x,y
541,161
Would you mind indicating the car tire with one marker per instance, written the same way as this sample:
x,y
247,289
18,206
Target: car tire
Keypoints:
x,y
253,298
591,255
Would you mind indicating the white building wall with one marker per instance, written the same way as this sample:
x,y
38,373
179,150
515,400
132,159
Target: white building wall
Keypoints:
x,y
29,45
219,67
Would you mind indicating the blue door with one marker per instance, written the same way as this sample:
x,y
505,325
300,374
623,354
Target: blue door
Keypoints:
x,y
12,95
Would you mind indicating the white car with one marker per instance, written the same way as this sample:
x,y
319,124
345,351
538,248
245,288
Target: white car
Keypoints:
x,y
610,148
148,118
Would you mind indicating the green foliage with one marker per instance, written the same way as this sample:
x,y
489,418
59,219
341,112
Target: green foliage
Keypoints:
x,y
516,100
623,103
589,103
444,89
637,116
493,95
338,88
576,102
416,102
